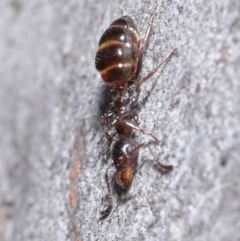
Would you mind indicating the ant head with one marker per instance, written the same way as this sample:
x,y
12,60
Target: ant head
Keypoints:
x,y
124,177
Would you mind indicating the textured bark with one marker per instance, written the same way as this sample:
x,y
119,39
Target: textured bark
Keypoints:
x,y
51,169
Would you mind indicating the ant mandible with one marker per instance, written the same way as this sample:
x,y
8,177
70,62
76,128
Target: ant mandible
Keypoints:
x,y
119,60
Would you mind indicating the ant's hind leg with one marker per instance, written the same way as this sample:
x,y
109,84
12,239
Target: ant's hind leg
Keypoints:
x,y
108,210
165,61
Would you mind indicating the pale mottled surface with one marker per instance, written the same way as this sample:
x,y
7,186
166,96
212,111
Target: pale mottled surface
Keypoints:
x,y
49,101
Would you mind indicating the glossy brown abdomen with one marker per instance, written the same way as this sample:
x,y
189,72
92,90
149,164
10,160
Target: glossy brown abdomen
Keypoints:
x,y
117,56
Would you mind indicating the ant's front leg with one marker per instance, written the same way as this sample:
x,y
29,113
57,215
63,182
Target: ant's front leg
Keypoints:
x,y
106,135
126,127
163,168
109,138
103,120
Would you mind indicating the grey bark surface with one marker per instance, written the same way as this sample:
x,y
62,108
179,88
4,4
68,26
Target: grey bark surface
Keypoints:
x,y
51,169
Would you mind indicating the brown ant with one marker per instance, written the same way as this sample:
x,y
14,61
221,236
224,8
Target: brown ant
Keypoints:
x,y
119,60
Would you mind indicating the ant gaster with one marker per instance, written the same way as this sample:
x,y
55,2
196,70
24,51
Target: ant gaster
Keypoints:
x,y
119,60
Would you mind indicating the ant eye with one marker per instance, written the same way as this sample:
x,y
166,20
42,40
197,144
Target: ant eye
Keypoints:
x,y
126,99
136,118
129,149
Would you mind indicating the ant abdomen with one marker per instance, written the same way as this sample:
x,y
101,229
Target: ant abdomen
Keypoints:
x,y
117,56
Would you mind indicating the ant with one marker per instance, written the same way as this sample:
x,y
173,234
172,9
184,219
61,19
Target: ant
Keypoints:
x,y
119,60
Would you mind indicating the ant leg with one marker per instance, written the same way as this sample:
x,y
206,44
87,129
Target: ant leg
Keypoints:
x,y
147,37
138,147
134,126
144,44
109,138
107,211
101,140
103,120
163,168
106,134
166,60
